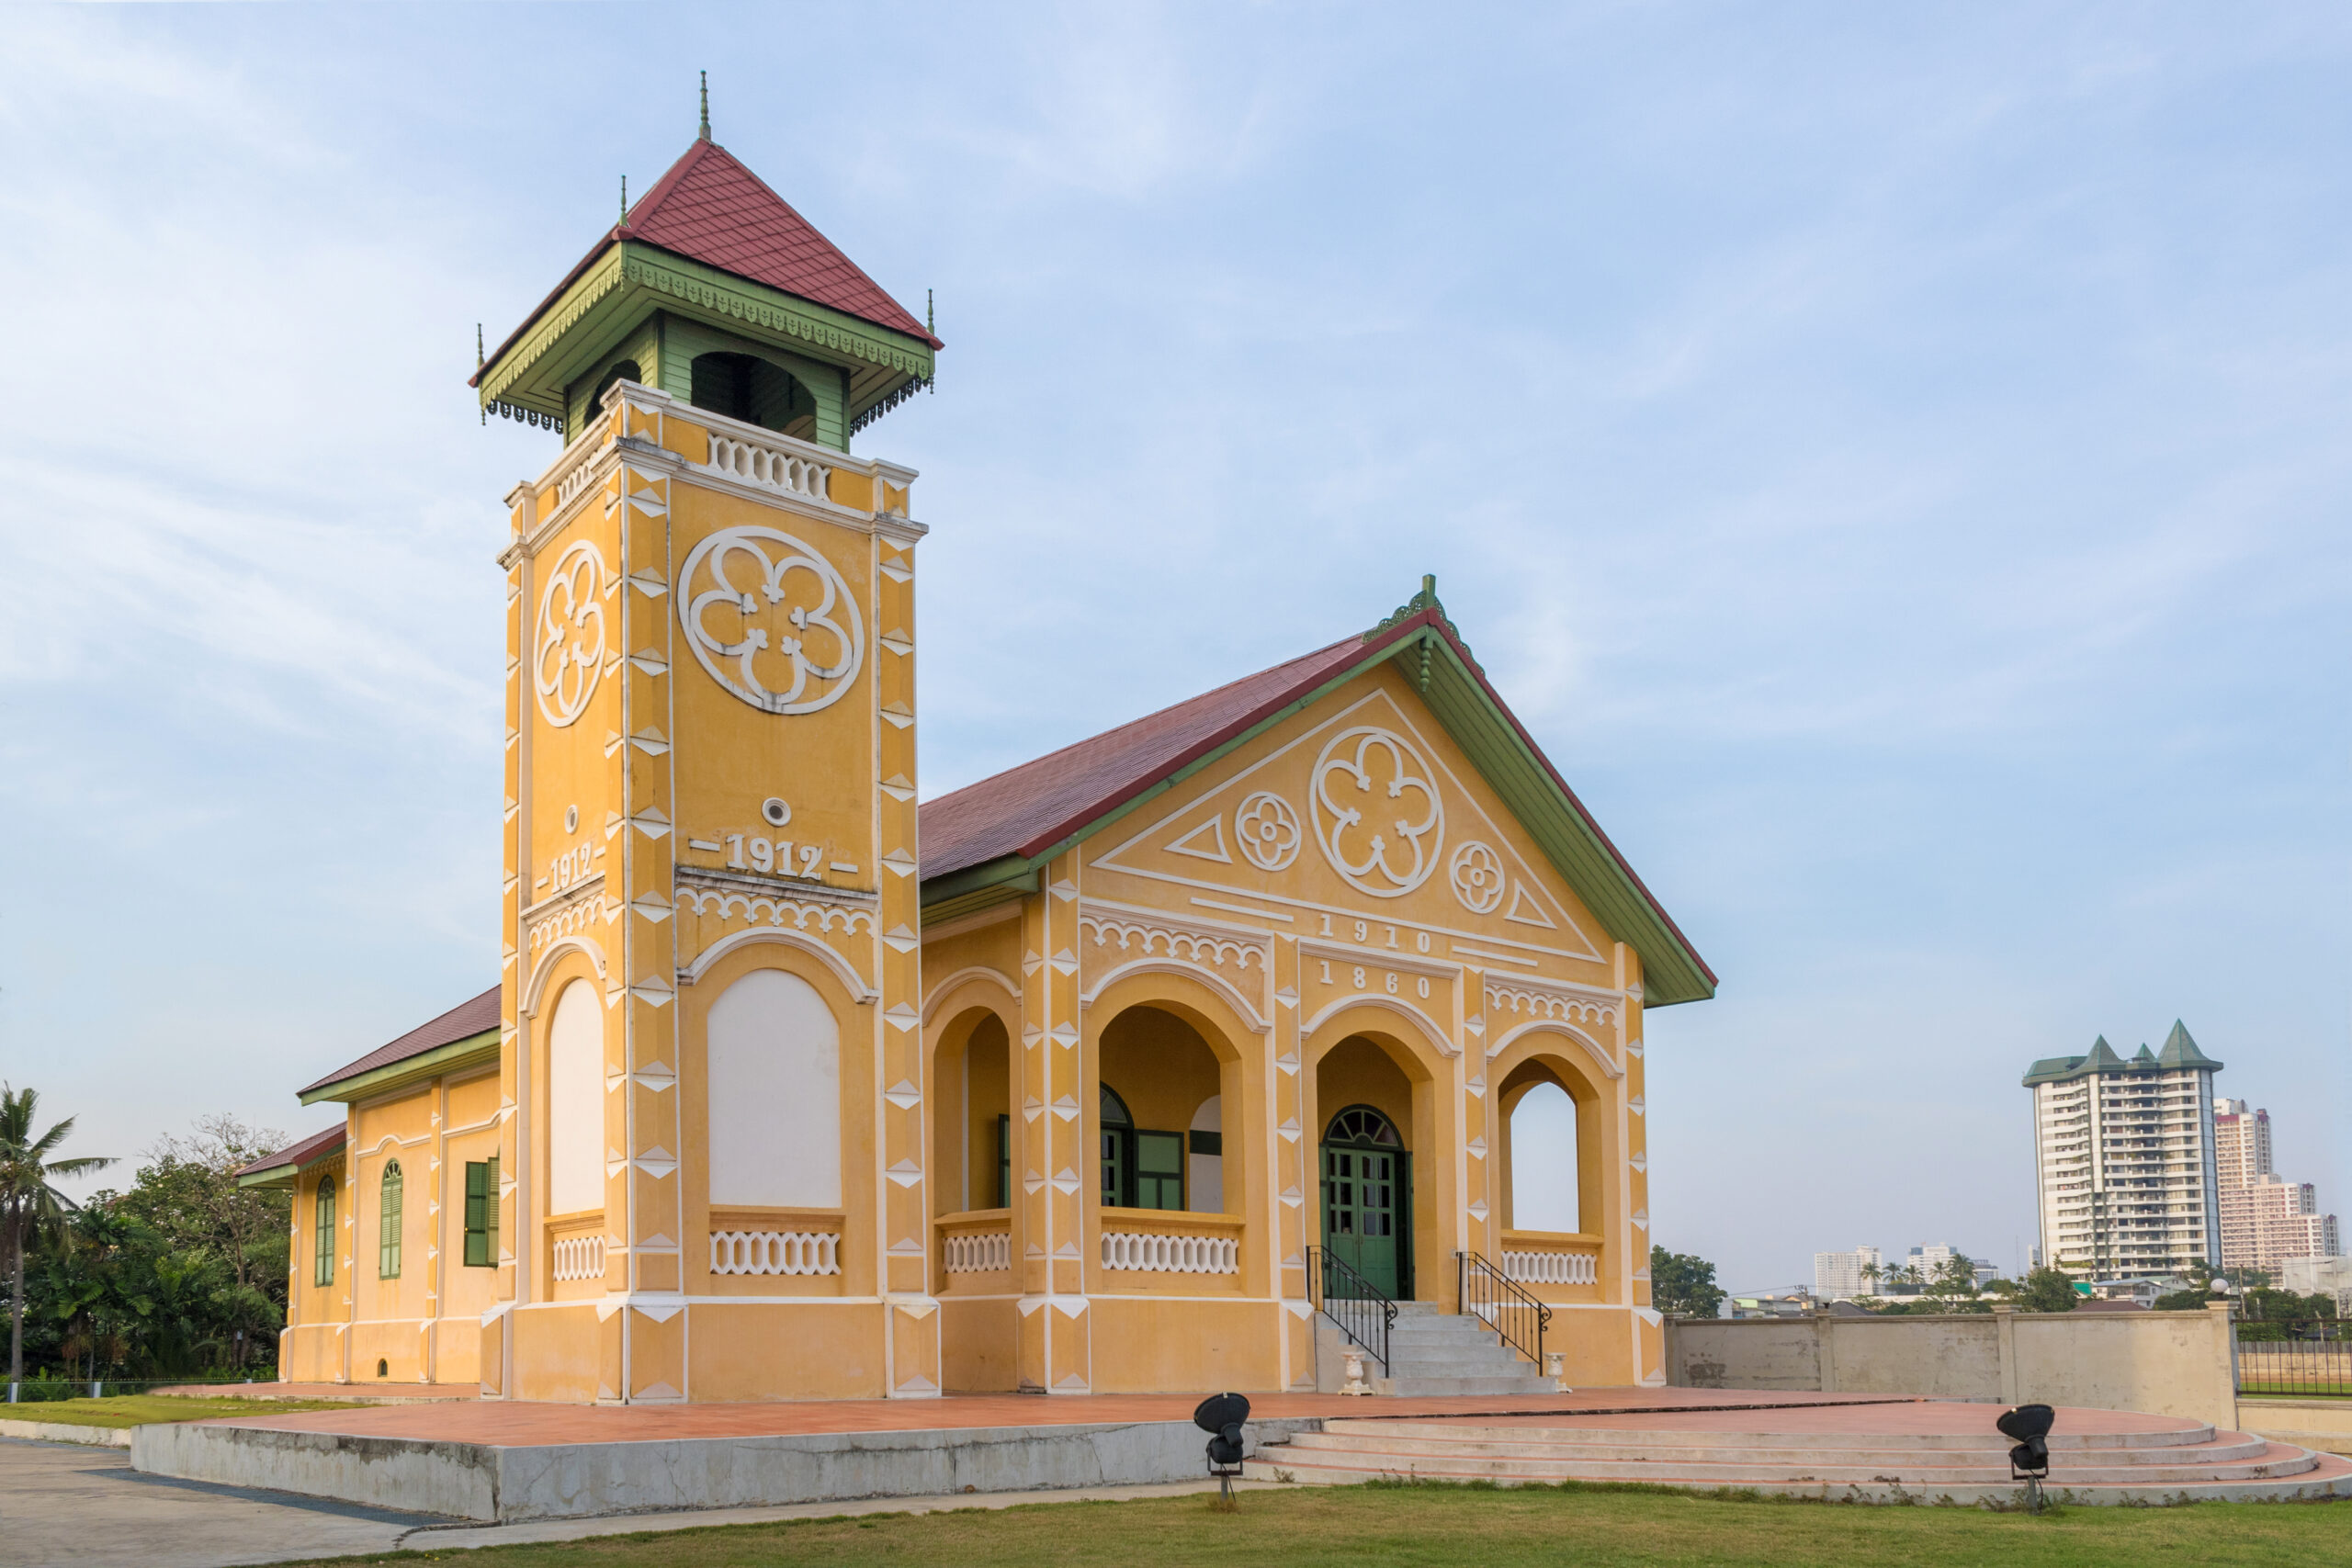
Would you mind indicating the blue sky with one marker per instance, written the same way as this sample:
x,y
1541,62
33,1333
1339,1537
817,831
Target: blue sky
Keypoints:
x,y
1894,461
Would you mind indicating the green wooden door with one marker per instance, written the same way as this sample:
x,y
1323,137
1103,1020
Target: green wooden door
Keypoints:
x,y
1366,1199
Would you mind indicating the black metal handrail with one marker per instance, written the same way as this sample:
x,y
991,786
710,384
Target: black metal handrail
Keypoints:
x,y
1502,1304
1353,1302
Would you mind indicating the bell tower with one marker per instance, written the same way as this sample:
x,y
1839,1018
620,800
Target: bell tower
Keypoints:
x,y
712,1168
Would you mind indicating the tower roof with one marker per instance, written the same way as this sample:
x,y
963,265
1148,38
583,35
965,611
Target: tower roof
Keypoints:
x,y
710,241
2180,1051
710,208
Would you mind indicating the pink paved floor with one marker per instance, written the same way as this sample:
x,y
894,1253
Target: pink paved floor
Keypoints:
x,y
504,1425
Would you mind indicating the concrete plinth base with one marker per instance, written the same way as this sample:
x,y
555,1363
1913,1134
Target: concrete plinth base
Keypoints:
x,y
476,1481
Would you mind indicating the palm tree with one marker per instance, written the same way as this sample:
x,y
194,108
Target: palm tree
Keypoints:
x,y
28,1204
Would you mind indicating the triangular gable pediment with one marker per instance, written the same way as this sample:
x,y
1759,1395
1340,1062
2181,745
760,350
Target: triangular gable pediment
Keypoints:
x,y
1362,808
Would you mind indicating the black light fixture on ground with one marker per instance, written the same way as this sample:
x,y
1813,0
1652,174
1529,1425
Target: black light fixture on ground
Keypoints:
x,y
2030,1461
1221,1415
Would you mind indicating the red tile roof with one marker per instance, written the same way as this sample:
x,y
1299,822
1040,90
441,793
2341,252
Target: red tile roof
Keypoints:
x,y
297,1155
1022,810
462,1021
710,208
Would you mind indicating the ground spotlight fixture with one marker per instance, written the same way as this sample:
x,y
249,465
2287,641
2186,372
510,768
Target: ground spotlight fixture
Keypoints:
x,y
1220,1415
2030,1461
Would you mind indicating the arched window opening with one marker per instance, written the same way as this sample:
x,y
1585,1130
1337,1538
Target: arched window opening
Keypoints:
x,y
1363,1124
744,387
322,1239
774,1065
972,1128
391,1200
625,370
576,1101
1544,1192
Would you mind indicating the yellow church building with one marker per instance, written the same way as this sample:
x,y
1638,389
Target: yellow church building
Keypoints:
x,y
1143,1065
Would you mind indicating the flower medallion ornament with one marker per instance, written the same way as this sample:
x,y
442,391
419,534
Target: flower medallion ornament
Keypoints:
x,y
1377,814
1477,874
1268,831
569,656
771,619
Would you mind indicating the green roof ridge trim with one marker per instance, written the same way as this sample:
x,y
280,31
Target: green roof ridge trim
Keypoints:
x,y
1456,693
440,1059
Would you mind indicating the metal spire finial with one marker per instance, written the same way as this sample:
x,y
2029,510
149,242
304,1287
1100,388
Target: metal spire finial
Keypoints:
x,y
623,201
930,312
478,356
705,107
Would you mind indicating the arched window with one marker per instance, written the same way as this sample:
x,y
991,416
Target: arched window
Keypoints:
x,y
774,1057
388,1223
625,370
576,1101
1363,1125
323,1242
744,387
1544,1192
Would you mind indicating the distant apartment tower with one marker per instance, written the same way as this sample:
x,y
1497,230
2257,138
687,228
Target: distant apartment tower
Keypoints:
x,y
2264,1221
2123,1160
1840,1277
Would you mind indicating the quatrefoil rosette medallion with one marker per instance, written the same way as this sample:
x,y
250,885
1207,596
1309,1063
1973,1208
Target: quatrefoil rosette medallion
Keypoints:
x,y
1476,873
1267,830
1377,816
771,619
568,656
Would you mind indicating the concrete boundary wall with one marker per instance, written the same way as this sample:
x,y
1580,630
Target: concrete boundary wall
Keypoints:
x,y
2167,1363
578,1479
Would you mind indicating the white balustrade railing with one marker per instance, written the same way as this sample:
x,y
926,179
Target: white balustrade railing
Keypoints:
x,y
775,1252
981,1254
771,465
1551,1268
580,1258
1172,1253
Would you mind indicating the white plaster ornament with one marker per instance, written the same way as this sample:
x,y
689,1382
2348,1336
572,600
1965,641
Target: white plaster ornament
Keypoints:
x,y
771,619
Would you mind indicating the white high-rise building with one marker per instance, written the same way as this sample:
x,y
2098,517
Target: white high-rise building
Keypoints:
x,y
1839,1277
2264,1220
2124,1159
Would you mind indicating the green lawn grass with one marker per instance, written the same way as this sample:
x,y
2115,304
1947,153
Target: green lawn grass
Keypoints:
x,y
1377,1527
143,1409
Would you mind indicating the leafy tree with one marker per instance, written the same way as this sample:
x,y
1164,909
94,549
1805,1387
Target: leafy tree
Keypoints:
x,y
2047,1290
187,1193
1952,1287
1683,1284
30,1206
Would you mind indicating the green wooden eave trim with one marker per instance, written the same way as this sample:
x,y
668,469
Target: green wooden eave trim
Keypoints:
x,y
1672,971
286,1175
473,1050
612,292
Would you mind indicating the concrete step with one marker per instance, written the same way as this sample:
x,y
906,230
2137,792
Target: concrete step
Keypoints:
x,y
1410,1387
2268,1461
1339,1447
1670,1440
2279,1462
2332,1479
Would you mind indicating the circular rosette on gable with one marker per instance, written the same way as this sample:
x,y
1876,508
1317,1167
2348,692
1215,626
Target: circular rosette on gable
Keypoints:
x,y
1377,815
568,653
1267,830
1477,875
771,619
